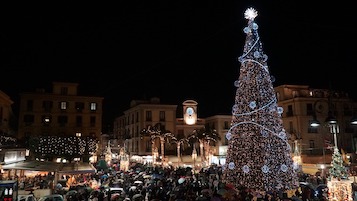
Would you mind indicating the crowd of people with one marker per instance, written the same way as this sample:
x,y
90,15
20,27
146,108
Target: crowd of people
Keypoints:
x,y
157,183
148,183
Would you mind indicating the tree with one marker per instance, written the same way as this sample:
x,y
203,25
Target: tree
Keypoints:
x,y
338,170
154,132
180,142
258,155
204,136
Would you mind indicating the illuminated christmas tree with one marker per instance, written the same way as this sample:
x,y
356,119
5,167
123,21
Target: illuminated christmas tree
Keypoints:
x,y
259,156
339,186
337,170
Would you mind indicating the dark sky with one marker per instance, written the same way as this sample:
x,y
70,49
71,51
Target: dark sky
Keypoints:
x,y
174,50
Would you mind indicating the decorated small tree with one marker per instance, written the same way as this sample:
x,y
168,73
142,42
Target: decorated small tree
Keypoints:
x,y
339,186
337,170
258,156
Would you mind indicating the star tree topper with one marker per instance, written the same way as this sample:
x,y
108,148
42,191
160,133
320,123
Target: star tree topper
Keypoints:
x,y
250,14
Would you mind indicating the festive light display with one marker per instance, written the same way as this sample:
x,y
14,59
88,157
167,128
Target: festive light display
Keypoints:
x,y
63,146
338,170
258,156
4,140
339,189
339,186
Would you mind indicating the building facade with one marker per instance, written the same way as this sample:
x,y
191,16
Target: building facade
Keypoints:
x,y
60,113
6,114
302,105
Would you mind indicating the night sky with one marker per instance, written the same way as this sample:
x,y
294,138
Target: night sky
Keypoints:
x,y
174,50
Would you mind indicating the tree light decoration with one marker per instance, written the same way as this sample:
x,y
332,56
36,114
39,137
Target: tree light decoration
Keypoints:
x,y
339,186
258,155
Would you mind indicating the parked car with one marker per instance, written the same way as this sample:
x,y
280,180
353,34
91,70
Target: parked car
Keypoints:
x,y
53,197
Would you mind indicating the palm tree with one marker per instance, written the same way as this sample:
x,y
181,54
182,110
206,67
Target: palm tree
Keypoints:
x,y
155,132
204,137
179,142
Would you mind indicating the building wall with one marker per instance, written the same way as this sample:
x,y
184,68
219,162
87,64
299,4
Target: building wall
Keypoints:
x,y
6,113
141,115
38,107
301,103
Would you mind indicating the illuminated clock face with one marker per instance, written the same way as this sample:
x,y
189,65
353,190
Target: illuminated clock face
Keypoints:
x,y
189,111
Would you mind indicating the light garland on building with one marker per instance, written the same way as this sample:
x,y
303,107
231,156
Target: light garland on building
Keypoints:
x,y
63,146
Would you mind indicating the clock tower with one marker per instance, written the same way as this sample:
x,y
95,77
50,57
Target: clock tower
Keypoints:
x,y
190,112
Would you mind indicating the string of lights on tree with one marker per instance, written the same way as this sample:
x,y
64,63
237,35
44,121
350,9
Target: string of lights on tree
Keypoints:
x,y
64,146
4,140
258,155
339,186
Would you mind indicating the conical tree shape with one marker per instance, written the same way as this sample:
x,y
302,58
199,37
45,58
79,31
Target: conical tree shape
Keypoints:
x,y
259,155
338,170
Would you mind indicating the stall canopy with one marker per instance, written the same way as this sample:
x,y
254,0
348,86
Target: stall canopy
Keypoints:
x,y
33,165
67,168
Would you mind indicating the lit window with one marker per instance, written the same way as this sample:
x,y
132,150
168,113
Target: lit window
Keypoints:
x,y
63,105
46,119
93,106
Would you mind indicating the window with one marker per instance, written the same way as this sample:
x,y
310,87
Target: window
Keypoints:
x,y
226,125
93,106
309,109
148,146
47,105
63,105
148,116
64,91
62,120
92,121
78,121
162,115
46,119
311,146
295,94
29,119
290,113
79,106
78,134
291,127
29,105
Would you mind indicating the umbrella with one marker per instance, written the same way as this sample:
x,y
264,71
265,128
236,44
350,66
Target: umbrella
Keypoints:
x,y
156,176
181,180
307,184
222,191
137,196
147,176
71,192
138,182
